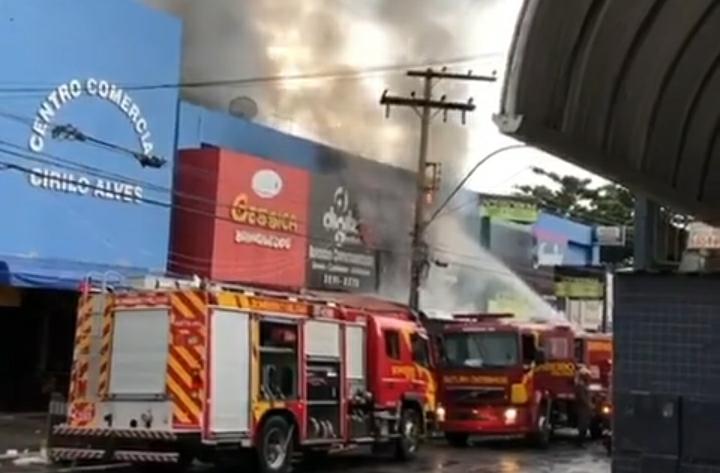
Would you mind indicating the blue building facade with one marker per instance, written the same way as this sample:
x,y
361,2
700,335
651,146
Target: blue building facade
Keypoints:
x,y
86,88
564,242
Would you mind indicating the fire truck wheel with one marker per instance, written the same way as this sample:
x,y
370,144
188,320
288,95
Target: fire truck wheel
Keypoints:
x,y
541,437
596,429
458,440
276,446
407,444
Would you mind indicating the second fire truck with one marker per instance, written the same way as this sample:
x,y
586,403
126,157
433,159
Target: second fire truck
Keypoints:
x,y
501,377
170,375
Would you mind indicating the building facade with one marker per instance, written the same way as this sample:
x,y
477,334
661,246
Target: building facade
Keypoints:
x,y
557,257
107,174
75,119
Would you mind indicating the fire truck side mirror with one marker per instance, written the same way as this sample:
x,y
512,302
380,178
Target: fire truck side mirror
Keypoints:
x,y
540,357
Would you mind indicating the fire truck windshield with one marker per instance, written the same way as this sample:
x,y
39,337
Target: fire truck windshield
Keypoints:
x,y
481,349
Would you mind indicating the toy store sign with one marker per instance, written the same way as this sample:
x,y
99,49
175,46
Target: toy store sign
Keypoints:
x,y
44,125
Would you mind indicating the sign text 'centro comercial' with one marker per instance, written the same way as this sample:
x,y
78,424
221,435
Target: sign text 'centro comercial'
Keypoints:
x,y
75,88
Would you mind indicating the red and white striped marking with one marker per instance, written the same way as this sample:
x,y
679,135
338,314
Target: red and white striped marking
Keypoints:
x,y
144,434
58,454
64,429
146,457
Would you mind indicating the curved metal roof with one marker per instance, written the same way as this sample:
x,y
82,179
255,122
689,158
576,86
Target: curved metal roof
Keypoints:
x,y
626,89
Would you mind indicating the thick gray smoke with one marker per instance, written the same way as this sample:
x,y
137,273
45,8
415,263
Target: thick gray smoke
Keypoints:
x,y
227,39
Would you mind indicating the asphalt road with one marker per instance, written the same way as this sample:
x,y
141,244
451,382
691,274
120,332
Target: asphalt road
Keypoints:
x,y
494,458
499,457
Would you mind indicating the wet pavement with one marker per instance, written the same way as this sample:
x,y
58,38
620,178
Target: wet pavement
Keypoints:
x,y
501,458
22,431
439,458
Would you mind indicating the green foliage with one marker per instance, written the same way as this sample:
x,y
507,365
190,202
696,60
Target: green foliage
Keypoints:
x,y
574,198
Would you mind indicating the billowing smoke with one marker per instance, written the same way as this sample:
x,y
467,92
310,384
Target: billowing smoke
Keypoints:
x,y
227,39
349,39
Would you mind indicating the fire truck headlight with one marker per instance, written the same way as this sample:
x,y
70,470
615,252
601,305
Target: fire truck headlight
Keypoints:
x,y
440,414
510,415
606,410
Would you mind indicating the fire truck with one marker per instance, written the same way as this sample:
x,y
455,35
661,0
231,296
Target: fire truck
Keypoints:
x,y
172,374
595,351
501,377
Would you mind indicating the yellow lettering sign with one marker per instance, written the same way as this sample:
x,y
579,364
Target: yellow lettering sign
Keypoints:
x,y
243,212
273,305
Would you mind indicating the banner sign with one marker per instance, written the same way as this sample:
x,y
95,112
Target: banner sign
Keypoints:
x,y
360,225
338,256
579,288
509,209
703,237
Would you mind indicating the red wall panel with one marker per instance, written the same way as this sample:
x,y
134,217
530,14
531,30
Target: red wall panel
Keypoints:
x,y
193,216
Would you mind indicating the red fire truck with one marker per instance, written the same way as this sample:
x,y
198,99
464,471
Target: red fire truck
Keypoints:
x,y
500,377
595,351
170,375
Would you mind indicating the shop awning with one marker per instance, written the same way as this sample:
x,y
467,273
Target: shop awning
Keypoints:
x,y
29,272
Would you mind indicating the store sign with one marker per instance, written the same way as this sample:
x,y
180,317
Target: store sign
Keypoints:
x,y
266,184
509,209
611,236
337,253
44,125
261,226
579,288
703,237
78,184
262,236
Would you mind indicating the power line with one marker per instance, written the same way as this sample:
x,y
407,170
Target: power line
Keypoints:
x,y
338,74
183,259
171,205
70,132
168,205
69,165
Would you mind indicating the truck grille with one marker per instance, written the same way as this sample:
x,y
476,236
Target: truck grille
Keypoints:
x,y
476,396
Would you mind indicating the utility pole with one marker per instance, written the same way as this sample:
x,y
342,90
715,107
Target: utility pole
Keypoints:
x,y
424,107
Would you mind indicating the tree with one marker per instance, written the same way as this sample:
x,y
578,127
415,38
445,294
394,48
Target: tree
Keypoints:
x,y
573,197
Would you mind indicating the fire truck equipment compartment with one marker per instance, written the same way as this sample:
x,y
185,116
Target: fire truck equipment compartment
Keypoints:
x,y
229,372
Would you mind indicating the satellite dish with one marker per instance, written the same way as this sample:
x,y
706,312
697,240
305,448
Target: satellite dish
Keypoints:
x,y
243,107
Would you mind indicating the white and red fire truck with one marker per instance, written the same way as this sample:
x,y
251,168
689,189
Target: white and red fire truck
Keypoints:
x,y
170,375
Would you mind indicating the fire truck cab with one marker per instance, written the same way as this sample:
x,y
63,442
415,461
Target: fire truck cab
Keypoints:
x,y
499,377
170,375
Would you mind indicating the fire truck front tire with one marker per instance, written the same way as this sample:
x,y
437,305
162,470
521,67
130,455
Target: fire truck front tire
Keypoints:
x,y
543,433
597,429
275,449
407,444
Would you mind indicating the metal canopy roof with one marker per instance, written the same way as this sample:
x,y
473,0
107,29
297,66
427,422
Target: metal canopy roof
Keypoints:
x,y
629,89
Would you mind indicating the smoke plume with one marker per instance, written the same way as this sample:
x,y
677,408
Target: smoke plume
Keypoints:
x,y
227,39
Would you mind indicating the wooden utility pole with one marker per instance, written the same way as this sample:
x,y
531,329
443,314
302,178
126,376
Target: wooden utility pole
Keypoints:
x,y
424,107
